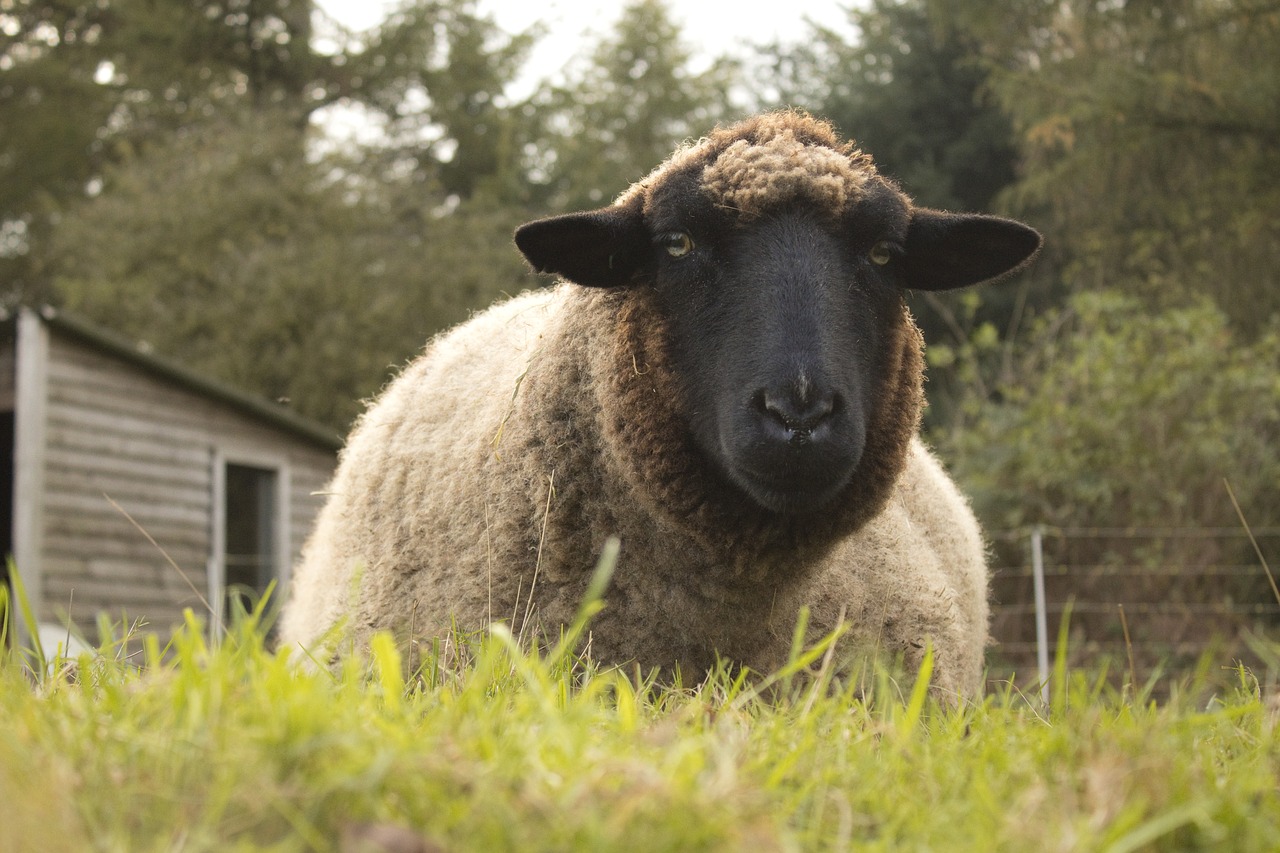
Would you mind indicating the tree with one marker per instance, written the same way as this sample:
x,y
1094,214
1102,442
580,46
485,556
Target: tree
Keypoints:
x,y
1109,425
82,82
637,97
1119,419
87,84
199,216
50,110
1148,156
301,282
911,94
1150,136
437,71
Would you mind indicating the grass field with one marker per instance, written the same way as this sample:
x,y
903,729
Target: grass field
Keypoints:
x,y
196,747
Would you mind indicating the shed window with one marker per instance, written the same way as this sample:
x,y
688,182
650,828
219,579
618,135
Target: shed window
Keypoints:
x,y
250,531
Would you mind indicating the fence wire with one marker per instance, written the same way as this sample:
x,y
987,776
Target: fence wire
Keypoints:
x,y
1144,602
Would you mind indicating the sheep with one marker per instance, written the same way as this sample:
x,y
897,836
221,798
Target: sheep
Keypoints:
x,y
728,380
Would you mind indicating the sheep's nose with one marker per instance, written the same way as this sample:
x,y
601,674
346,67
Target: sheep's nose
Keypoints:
x,y
798,409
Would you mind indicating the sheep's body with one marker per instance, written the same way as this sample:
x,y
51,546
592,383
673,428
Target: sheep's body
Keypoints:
x,y
435,542
485,481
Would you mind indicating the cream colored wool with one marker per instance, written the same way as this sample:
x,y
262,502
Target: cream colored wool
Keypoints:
x,y
485,481
766,160
750,177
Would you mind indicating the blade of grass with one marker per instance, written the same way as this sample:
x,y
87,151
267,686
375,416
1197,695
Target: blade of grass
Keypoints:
x,y
919,696
798,662
1256,549
1061,688
1158,827
388,666
592,602
163,553
537,563
28,617
1128,647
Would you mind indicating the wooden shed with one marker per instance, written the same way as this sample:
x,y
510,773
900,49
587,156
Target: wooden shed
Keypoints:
x,y
105,447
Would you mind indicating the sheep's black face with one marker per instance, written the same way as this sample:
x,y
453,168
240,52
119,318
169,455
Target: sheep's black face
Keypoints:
x,y
778,330
780,325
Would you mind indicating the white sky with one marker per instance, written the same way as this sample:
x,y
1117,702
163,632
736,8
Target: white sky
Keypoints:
x,y
711,27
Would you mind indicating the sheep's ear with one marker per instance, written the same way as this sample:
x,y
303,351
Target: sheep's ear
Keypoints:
x,y
598,248
949,250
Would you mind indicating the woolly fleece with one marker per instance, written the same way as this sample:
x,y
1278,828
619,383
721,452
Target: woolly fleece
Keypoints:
x,y
751,178
484,482
768,160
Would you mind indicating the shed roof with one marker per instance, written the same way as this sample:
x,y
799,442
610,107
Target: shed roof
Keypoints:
x,y
259,408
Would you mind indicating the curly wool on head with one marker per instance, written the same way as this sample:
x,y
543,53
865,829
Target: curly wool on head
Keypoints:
x,y
751,177
769,160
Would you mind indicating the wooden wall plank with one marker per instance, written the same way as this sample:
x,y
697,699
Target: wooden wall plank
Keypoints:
x,y
151,445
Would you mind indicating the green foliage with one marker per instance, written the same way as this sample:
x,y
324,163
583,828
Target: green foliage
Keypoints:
x,y
50,113
637,97
50,107
1117,416
1148,132
170,63
436,70
84,85
911,94
297,280
77,79
231,747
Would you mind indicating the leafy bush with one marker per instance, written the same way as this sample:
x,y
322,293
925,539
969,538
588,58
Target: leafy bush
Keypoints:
x,y
1123,417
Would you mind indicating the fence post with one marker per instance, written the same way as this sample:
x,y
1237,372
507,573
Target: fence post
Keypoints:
x,y
1042,619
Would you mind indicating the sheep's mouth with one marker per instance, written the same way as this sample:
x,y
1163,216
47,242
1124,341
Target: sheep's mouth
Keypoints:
x,y
790,495
789,476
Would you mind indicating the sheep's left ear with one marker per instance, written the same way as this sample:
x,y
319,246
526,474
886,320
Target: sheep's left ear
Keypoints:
x,y
597,248
949,250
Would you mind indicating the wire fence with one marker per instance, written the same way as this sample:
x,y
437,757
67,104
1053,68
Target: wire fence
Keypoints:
x,y
1146,604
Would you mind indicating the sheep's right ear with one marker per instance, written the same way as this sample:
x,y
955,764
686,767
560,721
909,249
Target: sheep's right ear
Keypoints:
x,y
950,250
597,248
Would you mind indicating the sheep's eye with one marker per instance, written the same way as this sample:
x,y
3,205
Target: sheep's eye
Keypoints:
x,y
881,253
677,243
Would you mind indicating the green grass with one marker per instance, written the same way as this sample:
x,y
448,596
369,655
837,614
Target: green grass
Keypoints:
x,y
195,747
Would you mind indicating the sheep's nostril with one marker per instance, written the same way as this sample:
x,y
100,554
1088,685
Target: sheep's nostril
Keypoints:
x,y
798,415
